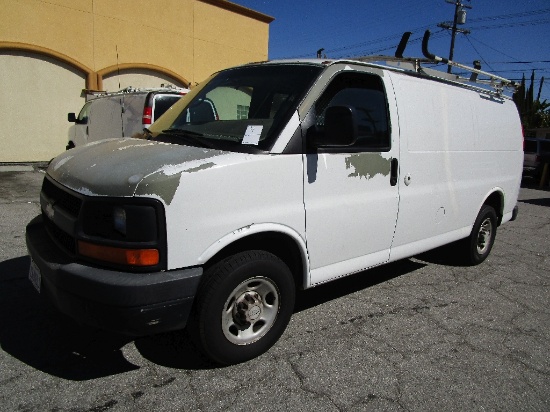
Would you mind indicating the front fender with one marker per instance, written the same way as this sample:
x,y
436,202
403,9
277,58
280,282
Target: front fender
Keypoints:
x,y
258,228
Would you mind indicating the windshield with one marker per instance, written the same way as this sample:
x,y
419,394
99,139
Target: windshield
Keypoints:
x,y
239,109
83,115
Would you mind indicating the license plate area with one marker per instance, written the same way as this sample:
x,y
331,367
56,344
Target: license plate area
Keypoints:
x,y
35,276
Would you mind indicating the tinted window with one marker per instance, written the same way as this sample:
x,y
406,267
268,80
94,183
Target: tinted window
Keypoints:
x,y
84,113
163,103
364,92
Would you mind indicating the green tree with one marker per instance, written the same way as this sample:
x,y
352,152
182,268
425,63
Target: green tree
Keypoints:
x,y
533,112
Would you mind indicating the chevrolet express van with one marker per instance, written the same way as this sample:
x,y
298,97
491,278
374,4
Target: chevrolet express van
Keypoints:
x,y
121,114
312,170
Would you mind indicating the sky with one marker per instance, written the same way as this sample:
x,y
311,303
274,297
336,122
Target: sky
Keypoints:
x,y
509,37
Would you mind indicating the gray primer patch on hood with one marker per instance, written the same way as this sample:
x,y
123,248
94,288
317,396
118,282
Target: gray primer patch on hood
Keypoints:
x,y
368,165
201,167
111,167
160,185
165,182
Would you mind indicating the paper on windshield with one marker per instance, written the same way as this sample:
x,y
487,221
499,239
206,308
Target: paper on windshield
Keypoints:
x,y
252,135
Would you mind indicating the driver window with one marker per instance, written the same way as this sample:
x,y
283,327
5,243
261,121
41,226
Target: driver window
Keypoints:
x,y
364,92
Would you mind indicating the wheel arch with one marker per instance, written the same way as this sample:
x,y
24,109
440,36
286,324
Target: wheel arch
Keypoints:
x,y
495,199
281,241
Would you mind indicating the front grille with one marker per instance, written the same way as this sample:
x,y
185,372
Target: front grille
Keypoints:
x,y
62,238
61,198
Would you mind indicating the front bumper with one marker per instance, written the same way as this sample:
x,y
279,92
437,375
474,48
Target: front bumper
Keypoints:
x,y
131,303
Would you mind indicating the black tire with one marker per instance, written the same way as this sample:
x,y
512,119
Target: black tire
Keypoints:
x,y
242,307
478,245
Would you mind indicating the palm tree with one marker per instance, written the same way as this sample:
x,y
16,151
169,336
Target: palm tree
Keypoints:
x,y
533,112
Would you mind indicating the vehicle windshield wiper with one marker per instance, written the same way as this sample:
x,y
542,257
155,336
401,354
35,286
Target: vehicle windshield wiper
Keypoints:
x,y
191,136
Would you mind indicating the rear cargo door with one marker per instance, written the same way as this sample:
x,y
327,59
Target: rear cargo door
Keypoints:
x,y
105,118
132,113
350,198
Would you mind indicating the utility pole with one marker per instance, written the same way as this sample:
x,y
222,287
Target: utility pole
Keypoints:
x,y
459,18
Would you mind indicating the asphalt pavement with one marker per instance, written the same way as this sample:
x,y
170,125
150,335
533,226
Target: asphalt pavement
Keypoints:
x,y
422,334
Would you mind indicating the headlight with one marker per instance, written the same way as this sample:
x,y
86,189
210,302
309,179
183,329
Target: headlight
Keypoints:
x,y
119,220
126,222
123,232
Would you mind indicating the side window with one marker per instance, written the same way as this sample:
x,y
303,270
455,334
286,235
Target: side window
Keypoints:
x,y
84,113
364,92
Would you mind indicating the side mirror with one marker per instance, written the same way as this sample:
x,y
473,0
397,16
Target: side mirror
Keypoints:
x,y
340,128
71,117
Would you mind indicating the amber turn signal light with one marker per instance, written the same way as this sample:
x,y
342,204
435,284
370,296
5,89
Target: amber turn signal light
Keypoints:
x,y
121,256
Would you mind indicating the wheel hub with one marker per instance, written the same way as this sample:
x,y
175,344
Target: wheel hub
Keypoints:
x,y
248,308
484,236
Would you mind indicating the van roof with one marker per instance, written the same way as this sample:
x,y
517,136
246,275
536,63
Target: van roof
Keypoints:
x,y
413,66
133,90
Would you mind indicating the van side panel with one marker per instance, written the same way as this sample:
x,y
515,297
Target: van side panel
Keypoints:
x,y
457,147
227,197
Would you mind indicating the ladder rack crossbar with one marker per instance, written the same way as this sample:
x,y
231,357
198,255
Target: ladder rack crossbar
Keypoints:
x,y
497,82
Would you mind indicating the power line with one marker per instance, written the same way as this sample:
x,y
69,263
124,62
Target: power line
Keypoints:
x,y
492,48
510,16
478,53
524,62
508,25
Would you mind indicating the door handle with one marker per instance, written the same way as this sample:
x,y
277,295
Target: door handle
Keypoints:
x,y
393,171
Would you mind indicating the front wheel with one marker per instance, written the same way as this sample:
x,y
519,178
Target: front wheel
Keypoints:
x,y
243,306
478,246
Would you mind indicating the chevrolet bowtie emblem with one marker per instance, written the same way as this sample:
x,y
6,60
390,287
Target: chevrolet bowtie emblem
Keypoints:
x,y
49,210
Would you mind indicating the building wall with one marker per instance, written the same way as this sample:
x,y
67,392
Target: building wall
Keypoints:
x,y
91,42
137,78
33,111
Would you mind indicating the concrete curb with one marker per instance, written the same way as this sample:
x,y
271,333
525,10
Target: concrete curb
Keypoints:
x,y
23,167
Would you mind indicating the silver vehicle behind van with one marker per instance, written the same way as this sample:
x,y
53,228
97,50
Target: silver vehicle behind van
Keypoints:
x,y
120,114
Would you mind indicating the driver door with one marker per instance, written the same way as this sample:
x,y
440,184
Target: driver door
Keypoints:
x,y
350,198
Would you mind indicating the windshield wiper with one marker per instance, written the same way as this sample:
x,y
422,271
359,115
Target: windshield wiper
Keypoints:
x,y
191,136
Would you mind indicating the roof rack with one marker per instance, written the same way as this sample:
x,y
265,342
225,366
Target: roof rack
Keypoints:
x,y
414,64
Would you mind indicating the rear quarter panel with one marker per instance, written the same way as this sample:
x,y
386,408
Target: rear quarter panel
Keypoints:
x,y
457,146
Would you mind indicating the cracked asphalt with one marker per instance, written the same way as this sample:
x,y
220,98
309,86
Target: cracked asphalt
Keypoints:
x,y
422,334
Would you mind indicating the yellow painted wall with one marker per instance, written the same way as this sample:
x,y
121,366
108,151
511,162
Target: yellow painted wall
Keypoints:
x,y
230,44
186,38
190,37
64,28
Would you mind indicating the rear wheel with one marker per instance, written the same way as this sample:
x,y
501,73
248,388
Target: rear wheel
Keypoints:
x,y
478,246
243,306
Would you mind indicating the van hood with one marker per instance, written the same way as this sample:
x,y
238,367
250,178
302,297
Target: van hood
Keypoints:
x,y
117,167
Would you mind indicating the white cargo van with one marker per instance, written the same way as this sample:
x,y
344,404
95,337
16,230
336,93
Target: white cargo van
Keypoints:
x,y
310,171
120,114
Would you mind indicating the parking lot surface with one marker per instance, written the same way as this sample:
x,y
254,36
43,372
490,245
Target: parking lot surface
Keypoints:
x,y
422,334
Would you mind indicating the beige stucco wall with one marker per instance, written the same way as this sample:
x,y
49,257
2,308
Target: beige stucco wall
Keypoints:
x,y
185,39
33,112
